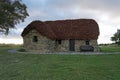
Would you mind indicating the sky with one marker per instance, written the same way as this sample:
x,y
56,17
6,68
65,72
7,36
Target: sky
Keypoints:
x,y
105,12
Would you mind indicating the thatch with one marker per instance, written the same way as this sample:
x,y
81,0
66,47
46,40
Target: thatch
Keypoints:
x,y
65,29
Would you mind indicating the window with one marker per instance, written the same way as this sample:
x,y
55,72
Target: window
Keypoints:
x,y
58,41
87,42
35,39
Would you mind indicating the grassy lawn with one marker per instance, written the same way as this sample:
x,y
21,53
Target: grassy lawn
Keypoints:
x,y
16,66
110,49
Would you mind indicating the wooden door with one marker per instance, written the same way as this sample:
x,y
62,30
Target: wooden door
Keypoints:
x,y
72,45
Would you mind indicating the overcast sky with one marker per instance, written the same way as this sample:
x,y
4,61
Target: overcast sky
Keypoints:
x,y
105,12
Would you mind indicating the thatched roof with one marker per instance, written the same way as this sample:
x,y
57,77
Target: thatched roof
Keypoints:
x,y
65,29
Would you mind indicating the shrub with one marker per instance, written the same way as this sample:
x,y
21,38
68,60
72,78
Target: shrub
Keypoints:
x,y
22,50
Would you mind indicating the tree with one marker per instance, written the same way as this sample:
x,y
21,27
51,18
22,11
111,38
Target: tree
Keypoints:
x,y
12,12
116,37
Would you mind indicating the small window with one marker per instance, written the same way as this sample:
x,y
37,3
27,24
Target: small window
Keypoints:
x,y
35,39
87,42
58,41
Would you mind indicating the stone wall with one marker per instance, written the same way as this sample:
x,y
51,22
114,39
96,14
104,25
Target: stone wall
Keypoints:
x,y
79,43
94,43
64,46
43,45
47,45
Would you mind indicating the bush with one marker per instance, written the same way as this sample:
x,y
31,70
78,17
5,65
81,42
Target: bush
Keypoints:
x,y
22,50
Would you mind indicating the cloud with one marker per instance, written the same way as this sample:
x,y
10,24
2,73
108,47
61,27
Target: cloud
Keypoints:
x,y
105,12
105,6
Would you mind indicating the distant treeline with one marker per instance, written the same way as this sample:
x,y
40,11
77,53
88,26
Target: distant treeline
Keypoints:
x,y
9,45
108,44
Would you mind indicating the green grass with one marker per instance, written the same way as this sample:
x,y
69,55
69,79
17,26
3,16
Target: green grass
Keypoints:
x,y
110,49
17,66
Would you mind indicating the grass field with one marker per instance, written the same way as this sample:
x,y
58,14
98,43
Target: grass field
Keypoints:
x,y
110,49
16,66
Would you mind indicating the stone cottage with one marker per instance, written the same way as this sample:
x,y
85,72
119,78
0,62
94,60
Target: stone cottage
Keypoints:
x,y
61,35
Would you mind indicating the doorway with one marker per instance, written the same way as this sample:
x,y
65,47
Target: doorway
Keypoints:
x,y
72,45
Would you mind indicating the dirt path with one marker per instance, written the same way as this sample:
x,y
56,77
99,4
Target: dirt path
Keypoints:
x,y
13,50
82,53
